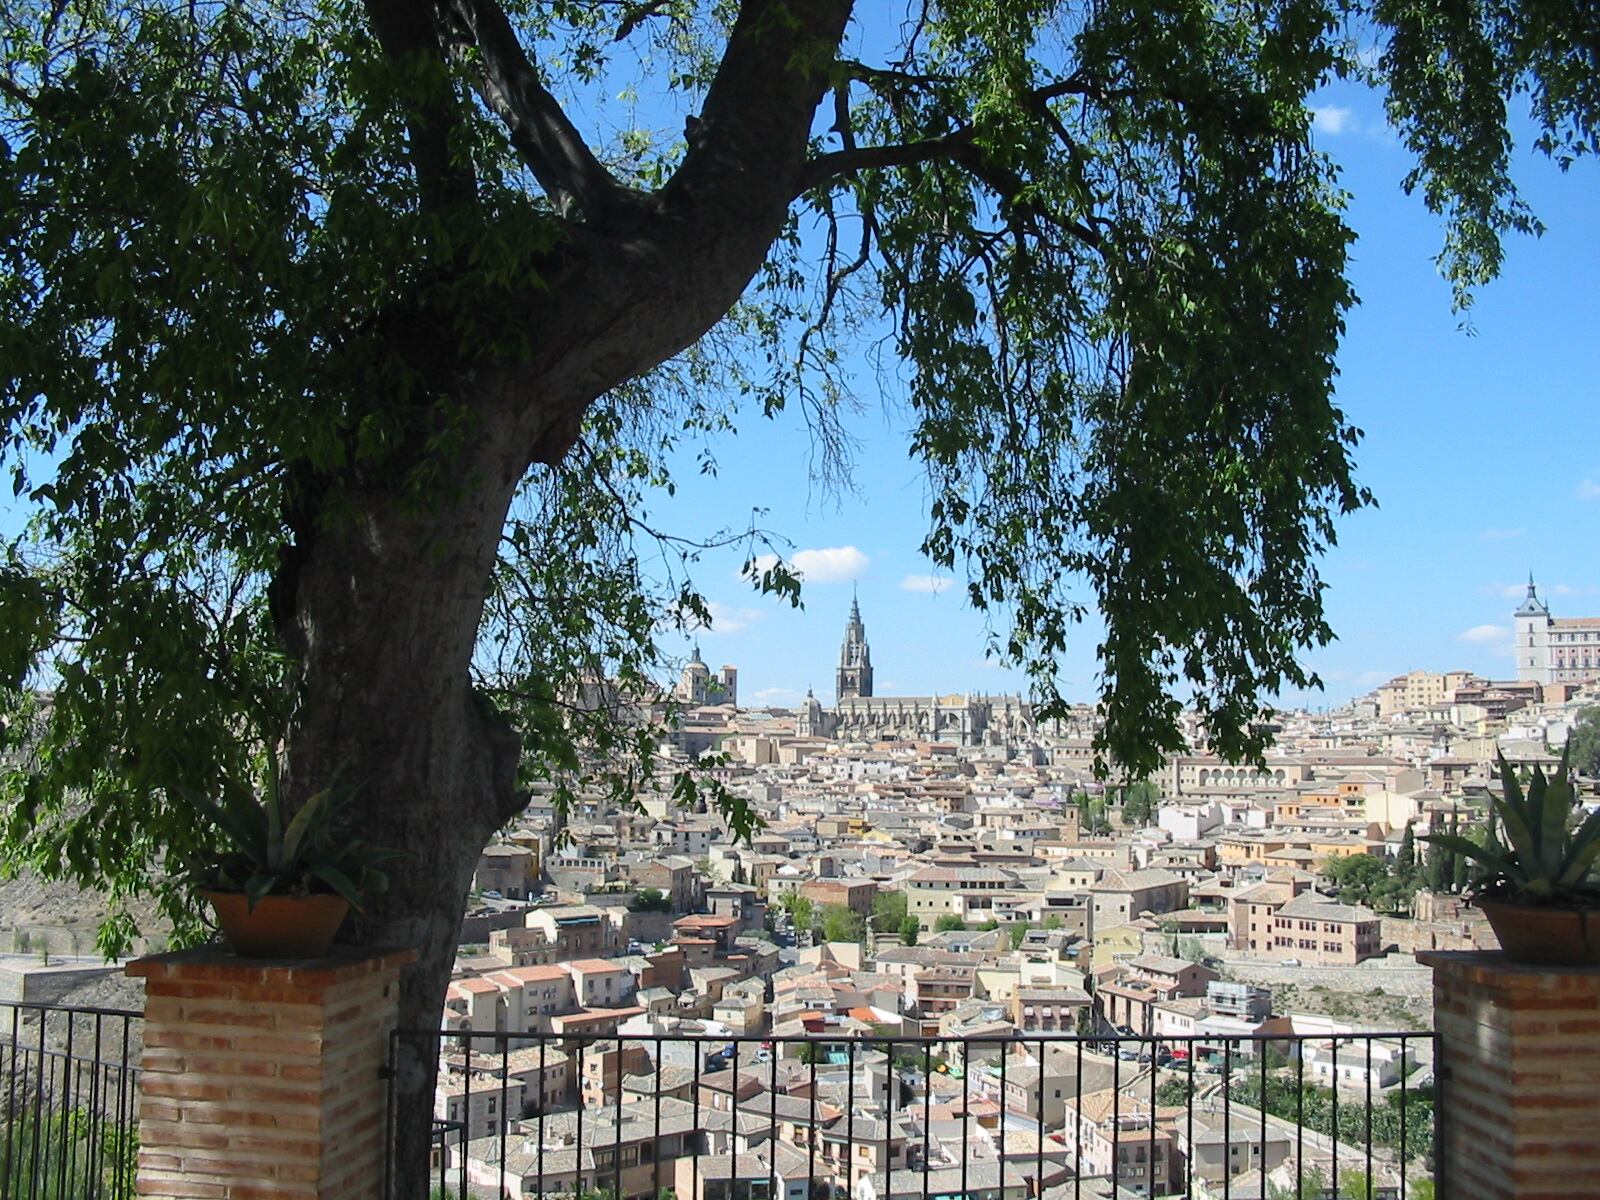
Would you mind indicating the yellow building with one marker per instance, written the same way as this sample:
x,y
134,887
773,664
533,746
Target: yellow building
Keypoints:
x,y
1116,944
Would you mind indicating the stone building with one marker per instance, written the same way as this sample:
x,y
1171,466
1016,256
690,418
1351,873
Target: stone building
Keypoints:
x,y
858,715
698,685
1555,650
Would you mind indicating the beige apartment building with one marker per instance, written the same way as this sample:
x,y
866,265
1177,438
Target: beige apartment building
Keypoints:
x,y
1322,932
1418,691
559,934
1251,913
935,892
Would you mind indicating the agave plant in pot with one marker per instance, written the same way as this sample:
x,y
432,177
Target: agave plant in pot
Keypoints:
x,y
1538,884
281,885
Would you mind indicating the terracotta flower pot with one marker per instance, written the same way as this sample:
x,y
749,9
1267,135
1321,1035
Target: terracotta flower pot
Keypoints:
x,y
1558,937
279,926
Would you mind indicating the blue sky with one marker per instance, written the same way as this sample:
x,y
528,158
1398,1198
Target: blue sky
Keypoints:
x,y
1483,451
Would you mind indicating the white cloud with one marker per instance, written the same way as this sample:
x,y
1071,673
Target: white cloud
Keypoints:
x,y
830,564
1486,635
1332,119
725,618
1500,535
1588,490
925,583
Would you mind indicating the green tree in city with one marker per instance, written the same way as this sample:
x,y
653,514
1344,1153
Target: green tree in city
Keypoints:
x,y
1086,1021
840,923
801,911
1139,803
910,930
949,923
1018,932
1583,743
1405,860
1091,814
888,909
1356,877
346,349
1437,868
651,900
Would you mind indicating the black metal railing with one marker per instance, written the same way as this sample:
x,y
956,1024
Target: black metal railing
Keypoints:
x,y
892,1116
68,1102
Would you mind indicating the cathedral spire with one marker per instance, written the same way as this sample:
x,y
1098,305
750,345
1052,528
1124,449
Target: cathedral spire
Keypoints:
x,y
854,677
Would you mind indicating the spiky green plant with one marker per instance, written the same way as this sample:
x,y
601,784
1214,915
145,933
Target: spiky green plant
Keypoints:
x,y
1550,848
262,854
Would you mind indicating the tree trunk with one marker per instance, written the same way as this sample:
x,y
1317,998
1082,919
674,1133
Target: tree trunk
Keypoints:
x,y
381,597
388,595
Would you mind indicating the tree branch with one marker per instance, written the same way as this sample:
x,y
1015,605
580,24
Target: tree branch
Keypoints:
x,y
960,147
410,39
575,180
869,158
760,104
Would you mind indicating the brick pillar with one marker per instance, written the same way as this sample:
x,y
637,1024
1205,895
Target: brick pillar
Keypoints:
x,y
1519,1052
261,1078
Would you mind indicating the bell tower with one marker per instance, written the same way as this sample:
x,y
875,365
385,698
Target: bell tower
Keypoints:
x,y
1532,645
854,677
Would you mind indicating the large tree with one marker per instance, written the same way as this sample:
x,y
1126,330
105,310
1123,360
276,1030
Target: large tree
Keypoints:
x,y
1583,743
342,346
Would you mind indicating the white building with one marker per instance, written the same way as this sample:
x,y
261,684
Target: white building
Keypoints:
x,y
1189,822
1353,1063
1555,649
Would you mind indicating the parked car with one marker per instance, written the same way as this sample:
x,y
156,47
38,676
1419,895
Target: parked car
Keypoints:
x,y
493,896
1291,962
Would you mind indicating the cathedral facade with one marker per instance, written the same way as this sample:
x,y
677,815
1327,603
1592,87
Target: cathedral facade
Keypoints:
x,y
859,716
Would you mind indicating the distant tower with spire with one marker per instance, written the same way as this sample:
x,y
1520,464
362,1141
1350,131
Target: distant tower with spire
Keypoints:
x,y
698,685
854,677
1532,642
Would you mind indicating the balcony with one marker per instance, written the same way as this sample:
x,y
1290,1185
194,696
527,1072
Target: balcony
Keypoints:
x,y
245,1081
880,1118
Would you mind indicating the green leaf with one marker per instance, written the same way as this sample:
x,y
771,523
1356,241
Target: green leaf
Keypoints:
x,y
1516,817
258,887
1584,850
235,823
339,882
1469,849
304,821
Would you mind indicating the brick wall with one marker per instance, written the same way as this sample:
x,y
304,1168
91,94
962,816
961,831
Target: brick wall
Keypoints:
x,y
1519,1116
262,1080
